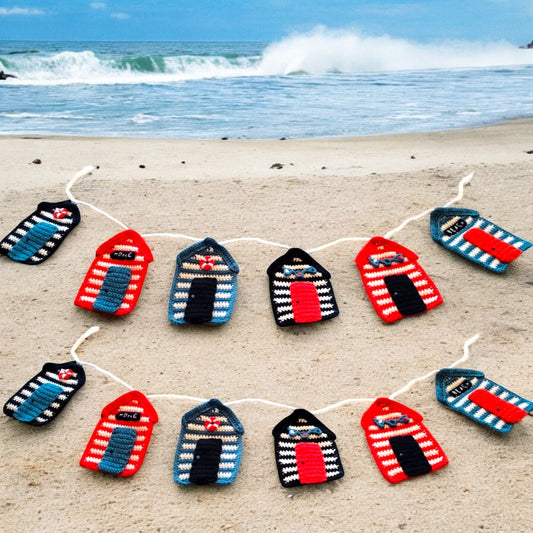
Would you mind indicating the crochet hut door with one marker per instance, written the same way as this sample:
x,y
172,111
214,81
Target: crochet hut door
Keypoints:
x,y
205,465
201,301
310,463
305,302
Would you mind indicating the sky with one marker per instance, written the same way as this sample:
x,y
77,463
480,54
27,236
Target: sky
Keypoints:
x,y
264,20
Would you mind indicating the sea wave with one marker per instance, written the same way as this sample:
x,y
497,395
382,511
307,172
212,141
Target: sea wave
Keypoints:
x,y
319,52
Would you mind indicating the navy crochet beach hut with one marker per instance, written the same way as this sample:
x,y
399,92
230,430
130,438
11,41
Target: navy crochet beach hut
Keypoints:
x,y
210,446
300,289
305,449
205,285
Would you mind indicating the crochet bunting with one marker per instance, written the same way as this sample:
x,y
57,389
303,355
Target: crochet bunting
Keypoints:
x,y
300,290
39,235
44,396
470,393
400,443
120,440
204,287
115,278
210,446
395,283
465,232
305,450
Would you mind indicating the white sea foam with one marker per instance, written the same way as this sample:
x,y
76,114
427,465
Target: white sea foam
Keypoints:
x,y
323,51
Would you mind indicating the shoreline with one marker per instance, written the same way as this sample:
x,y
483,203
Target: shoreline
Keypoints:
x,y
324,190
447,150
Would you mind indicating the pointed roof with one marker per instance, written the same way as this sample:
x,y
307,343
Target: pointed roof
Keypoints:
x,y
446,376
135,398
290,256
384,406
441,215
72,365
199,247
380,245
126,237
294,418
208,407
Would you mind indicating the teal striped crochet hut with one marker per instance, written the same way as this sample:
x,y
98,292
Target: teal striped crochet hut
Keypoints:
x,y
205,285
210,446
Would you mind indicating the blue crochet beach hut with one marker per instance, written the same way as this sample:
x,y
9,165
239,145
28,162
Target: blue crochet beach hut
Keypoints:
x,y
470,393
465,232
210,446
205,285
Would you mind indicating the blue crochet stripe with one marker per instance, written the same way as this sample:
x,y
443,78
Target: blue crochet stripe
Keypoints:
x,y
460,245
118,451
471,409
113,289
190,416
37,402
33,241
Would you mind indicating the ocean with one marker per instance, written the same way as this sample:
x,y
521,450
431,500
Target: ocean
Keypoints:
x,y
318,84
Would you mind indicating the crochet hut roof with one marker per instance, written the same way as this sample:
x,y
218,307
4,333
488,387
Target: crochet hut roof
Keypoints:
x,y
199,247
127,237
293,254
208,407
295,418
133,397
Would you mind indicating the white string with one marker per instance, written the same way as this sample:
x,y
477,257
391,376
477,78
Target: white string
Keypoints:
x,y
85,171
459,196
466,354
89,169
94,329
76,345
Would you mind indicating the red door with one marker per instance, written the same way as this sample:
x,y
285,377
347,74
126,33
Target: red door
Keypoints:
x,y
305,302
310,463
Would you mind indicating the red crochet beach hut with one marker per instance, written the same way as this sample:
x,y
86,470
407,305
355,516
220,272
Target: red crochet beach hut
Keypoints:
x,y
395,283
114,281
400,443
121,437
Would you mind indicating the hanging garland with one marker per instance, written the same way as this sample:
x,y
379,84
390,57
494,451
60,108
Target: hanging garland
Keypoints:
x,y
209,449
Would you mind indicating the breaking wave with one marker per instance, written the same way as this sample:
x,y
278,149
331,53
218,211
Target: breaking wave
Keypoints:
x,y
321,51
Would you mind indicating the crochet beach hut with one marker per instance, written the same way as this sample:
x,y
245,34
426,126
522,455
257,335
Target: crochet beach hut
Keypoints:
x,y
114,281
44,396
394,281
400,443
300,289
39,235
204,287
470,393
465,232
210,446
305,450
120,440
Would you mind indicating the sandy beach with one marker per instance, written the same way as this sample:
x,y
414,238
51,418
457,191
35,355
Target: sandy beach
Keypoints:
x,y
301,193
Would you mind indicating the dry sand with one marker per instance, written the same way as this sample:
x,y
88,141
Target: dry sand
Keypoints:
x,y
325,190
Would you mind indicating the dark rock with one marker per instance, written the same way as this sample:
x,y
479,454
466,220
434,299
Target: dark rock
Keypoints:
x,y
224,139
183,162
413,157
277,165
36,161
283,138
142,166
529,152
